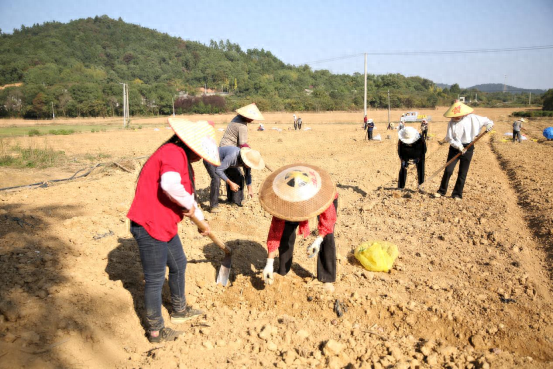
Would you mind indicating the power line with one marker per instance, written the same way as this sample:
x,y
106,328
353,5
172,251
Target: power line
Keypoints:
x,y
436,52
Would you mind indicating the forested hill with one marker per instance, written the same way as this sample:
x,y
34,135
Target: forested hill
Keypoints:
x,y
77,68
498,87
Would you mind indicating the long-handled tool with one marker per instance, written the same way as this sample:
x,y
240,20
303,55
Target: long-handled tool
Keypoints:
x,y
224,271
421,186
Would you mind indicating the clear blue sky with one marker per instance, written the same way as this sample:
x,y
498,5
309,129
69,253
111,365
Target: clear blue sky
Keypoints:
x,y
308,31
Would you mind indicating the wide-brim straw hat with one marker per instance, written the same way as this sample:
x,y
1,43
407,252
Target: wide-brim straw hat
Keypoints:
x,y
252,158
522,120
251,112
297,192
458,109
199,137
408,135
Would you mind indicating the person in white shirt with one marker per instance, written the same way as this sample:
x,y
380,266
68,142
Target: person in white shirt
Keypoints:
x,y
462,129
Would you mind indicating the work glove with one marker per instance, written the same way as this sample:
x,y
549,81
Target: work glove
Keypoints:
x,y
489,126
268,277
458,146
314,248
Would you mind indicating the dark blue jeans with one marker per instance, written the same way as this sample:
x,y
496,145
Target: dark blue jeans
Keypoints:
x,y
155,255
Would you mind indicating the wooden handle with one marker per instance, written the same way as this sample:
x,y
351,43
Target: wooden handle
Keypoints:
x,y
421,186
202,226
268,168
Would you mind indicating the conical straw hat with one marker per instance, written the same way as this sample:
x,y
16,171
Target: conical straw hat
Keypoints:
x,y
199,137
458,109
252,158
297,192
251,112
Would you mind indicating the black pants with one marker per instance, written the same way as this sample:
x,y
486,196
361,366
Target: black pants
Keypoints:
x,y
403,172
464,164
370,134
235,175
424,134
517,136
214,186
326,259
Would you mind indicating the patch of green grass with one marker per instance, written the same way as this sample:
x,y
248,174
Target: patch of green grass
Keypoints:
x,y
61,132
34,132
29,157
97,157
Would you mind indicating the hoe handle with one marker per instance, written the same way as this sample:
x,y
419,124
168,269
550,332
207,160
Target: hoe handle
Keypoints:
x,y
202,227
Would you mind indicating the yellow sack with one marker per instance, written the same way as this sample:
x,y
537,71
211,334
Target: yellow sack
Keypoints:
x,y
377,256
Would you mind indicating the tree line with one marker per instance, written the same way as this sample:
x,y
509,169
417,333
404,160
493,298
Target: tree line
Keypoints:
x,y
76,70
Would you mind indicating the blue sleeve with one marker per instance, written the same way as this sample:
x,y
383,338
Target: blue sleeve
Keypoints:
x,y
228,155
248,175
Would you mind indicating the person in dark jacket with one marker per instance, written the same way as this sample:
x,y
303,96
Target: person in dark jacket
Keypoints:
x,y
411,150
370,127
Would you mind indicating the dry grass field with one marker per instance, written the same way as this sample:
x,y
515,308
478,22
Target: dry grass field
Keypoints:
x,y
471,287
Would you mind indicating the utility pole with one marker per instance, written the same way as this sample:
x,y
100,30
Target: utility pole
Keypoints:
x,y
388,108
53,114
173,101
530,99
476,98
365,101
125,104
505,84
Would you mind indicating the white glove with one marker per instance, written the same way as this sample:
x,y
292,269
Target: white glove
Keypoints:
x,y
458,146
268,277
315,247
489,126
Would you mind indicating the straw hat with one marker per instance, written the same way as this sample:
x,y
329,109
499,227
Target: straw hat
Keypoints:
x,y
251,112
408,135
458,109
297,192
522,120
424,121
252,158
199,137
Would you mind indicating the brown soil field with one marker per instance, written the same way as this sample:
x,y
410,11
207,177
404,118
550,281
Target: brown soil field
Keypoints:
x,y
471,287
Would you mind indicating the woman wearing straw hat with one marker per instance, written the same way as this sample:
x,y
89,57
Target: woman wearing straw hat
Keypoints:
x,y
236,134
411,148
164,195
232,157
517,126
293,194
462,129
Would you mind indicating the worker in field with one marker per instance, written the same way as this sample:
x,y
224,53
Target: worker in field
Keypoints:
x,y
365,119
411,149
462,129
424,129
295,119
293,194
370,128
236,134
298,123
517,126
165,194
232,157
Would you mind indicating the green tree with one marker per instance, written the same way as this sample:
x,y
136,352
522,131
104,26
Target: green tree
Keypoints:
x,y
548,100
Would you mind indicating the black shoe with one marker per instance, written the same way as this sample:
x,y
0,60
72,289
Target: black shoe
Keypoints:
x,y
183,316
166,335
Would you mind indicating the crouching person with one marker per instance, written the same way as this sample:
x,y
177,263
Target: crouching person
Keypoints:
x,y
411,149
293,194
233,158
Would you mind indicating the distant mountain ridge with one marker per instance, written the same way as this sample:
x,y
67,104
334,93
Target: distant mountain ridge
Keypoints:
x,y
496,87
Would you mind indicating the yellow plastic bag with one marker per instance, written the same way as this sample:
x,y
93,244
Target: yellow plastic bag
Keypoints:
x,y
377,256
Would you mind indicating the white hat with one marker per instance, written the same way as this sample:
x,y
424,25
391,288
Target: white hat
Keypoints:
x,y
408,135
252,158
522,120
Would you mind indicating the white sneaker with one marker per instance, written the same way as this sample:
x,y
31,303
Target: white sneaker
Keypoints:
x,y
437,195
